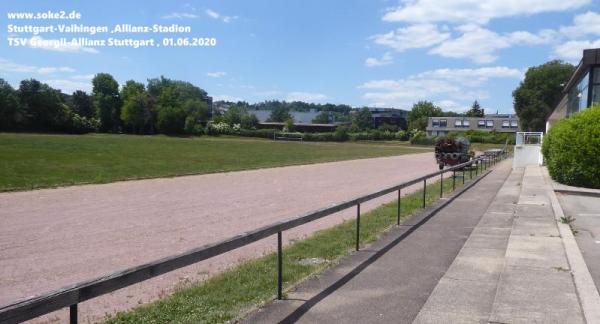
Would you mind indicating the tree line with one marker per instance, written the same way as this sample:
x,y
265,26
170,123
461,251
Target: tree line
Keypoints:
x,y
161,106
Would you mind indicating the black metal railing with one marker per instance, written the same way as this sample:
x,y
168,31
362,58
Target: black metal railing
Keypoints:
x,y
71,296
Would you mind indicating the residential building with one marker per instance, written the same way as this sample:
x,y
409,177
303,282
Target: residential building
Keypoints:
x,y
390,116
502,123
582,90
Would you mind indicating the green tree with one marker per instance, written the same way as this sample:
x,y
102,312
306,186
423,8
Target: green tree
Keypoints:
x,y
475,111
83,104
9,106
539,92
363,119
280,114
234,115
43,107
322,118
249,121
106,101
420,112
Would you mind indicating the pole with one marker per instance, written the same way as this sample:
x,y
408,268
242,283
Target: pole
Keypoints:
x,y
453,180
357,226
441,185
73,314
398,218
424,191
279,267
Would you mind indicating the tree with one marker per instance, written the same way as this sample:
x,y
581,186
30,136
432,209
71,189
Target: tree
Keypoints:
x,y
43,107
539,92
475,111
363,119
234,115
83,104
420,112
322,118
280,114
9,106
106,101
249,121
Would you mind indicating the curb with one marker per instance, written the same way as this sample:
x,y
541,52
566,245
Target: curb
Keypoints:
x,y
584,284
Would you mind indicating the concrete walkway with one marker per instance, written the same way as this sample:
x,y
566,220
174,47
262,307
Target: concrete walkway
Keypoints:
x,y
513,268
390,280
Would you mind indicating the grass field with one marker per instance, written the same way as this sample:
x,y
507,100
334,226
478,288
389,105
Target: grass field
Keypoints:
x,y
228,296
29,161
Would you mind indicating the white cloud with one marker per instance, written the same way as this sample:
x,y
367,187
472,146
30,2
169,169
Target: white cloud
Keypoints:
x,y
573,50
180,15
481,12
215,15
227,98
83,77
415,36
482,45
9,66
56,45
442,85
216,74
584,24
69,85
385,60
305,96
451,105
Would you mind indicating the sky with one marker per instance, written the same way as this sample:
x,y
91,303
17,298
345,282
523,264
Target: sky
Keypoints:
x,y
357,52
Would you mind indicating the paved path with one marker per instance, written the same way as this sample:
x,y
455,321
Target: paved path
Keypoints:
x,y
513,268
390,281
55,237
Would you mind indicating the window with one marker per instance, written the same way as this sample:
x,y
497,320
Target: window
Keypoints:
x,y
435,123
481,123
505,124
443,123
489,123
466,123
458,123
514,124
596,87
577,98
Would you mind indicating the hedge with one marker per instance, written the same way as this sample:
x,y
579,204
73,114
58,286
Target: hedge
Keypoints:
x,y
572,149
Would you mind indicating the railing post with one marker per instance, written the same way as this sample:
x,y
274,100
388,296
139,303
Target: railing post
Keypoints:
x,y
357,226
441,184
73,314
463,175
279,267
399,198
453,180
424,191
471,172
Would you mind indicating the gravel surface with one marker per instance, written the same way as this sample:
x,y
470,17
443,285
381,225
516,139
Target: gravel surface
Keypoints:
x,y
55,237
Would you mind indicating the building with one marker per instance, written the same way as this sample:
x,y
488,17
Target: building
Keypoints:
x,y
582,90
390,116
502,123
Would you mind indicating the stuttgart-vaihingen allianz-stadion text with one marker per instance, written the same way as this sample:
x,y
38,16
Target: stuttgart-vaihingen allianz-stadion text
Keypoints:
x,y
38,41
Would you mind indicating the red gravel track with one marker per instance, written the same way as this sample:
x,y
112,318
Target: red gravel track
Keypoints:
x,y
55,237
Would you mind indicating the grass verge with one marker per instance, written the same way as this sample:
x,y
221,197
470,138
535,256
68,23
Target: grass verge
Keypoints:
x,y
30,161
231,294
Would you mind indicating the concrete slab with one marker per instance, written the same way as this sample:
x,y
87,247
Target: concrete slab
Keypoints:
x,y
535,226
477,264
528,295
458,301
496,219
536,252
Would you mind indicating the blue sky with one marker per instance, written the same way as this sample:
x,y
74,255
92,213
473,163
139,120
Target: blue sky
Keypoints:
x,y
360,52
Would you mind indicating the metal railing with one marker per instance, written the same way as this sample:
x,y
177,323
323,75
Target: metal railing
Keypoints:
x,y
71,296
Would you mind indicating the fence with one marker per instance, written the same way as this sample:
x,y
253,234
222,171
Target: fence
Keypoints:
x,y
70,296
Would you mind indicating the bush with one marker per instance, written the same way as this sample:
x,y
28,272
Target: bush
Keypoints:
x,y
171,120
572,149
419,138
264,133
341,133
82,125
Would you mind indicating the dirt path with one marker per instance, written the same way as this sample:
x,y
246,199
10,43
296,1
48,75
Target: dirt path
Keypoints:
x,y
55,237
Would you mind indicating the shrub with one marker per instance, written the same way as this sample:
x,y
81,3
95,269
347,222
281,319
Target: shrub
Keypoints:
x,y
82,125
419,138
341,133
572,149
171,120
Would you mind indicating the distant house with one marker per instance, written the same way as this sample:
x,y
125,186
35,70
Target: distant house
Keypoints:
x,y
582,90
502,123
